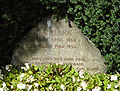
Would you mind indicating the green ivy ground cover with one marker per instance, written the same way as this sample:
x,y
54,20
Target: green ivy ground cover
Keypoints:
x,y
97,19
55,77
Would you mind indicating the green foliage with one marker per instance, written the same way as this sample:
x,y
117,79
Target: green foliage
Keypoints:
x,y
97,19
55,78
100,20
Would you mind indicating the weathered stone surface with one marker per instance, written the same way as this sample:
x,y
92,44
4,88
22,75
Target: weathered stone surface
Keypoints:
x,y
55,42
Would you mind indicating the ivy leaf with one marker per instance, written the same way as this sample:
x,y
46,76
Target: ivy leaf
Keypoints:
x,y
73,1
98,80
67,68
76,73
57,79
30,72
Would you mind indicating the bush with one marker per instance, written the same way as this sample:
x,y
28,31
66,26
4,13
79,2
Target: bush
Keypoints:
x,y
55,78
97,19
100,20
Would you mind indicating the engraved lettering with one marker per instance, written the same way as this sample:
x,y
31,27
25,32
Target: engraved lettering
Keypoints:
x,y
56,40
59,46
70,59
71,39
71,46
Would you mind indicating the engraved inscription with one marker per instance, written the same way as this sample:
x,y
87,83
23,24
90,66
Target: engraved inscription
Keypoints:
x,y
56,39
59,58
56,42
55,32
71,39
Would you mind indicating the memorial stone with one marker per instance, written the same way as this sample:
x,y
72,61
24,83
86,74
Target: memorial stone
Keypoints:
x,y
56,42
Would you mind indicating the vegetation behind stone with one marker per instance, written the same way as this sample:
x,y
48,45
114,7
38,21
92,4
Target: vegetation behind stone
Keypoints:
x,y
98,19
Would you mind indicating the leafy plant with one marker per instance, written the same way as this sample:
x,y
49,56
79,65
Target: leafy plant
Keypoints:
x,y
97,19
55,77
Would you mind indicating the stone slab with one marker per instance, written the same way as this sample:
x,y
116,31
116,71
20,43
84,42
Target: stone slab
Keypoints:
x,y
55,41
